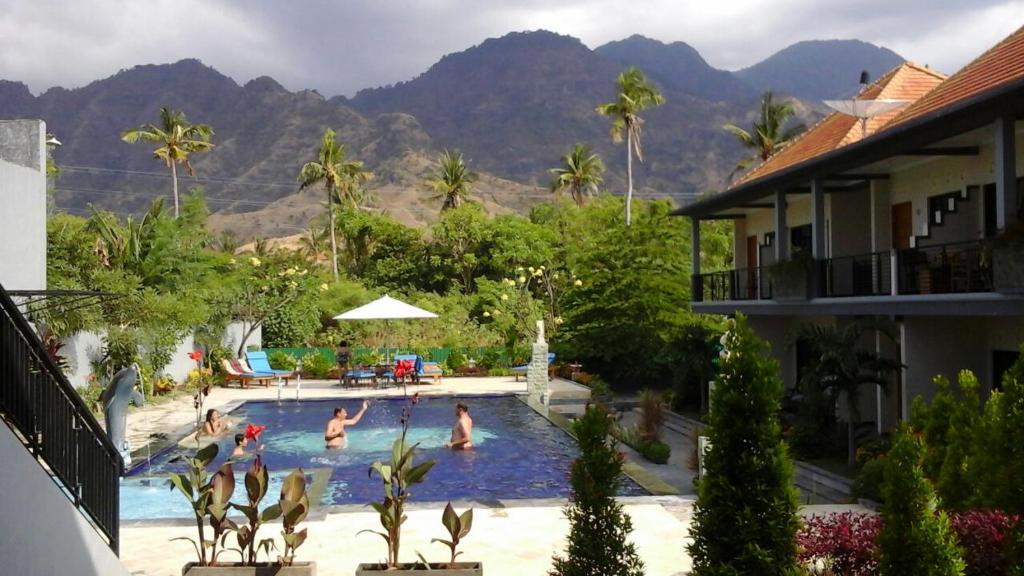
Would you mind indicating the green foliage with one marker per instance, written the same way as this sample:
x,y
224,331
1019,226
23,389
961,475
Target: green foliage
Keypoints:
x,y
868,483
205,497
1000,448
257,480
745,520
599,528
768,134
458,526
916,537
294,506
317,365
280,360
652,449
456,360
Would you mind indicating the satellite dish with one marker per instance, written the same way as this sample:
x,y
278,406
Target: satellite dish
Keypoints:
x,y
865,109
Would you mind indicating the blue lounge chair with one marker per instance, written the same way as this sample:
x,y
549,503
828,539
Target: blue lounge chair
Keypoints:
x,y
522,369
259,362
417,362
359,374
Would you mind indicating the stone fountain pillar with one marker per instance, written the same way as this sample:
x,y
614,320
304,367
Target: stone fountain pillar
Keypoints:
x,y
537,371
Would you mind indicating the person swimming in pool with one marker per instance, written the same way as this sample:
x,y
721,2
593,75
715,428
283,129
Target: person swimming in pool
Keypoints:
x,y
241,441
215,424
335,433
462,433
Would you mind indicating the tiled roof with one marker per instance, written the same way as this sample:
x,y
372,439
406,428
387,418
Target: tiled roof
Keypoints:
x,y
1002,63
905,82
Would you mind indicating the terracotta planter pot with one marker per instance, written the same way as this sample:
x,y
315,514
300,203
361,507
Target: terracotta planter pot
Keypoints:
x,y
262,569
436,569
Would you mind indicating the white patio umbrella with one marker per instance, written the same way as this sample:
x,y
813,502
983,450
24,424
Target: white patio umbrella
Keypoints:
x,y
386,308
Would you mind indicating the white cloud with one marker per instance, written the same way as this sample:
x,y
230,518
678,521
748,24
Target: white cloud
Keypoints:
x,y
340,47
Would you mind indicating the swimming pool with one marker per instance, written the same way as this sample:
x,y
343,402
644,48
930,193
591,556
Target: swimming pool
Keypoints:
x,y
517,454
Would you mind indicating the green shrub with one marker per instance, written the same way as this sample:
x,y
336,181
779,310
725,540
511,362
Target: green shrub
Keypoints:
x,y
651,449
366,358
656,451
456,360
868,483
599,389
916,538
599,529
745,520
317,365
281,360
491,358
499,372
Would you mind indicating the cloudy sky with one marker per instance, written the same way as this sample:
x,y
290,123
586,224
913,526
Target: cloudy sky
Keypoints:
x,y
338,47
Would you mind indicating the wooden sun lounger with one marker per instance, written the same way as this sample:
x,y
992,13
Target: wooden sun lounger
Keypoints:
x,y
235,374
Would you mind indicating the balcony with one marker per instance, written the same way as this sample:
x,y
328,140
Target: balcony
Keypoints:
x,y
955,268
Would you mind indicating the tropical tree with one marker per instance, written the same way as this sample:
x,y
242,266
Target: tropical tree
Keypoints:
x,y
176,140
453,181
339,176
769,132
579,174
635,95
311,243
842,366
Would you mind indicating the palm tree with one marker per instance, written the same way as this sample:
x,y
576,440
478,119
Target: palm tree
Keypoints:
x,y
453,181
341,179
767,135
579,174
311,243
177,139
635,95
841,366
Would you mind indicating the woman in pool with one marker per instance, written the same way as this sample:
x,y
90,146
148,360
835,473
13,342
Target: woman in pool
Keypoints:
x,y
335,433
462,433
215,424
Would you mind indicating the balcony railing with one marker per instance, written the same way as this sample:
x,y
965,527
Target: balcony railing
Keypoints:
x,y
860,275
38,402
945,269
741,284
959,267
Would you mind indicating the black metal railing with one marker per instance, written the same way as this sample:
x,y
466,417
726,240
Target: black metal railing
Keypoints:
x,y
39,403
859,275
954,268
741,284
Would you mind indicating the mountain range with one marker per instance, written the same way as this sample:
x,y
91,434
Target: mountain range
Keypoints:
x,y
513,104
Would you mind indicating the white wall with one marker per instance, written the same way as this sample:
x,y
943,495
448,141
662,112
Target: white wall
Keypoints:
x,y
41,533
23,204
84,348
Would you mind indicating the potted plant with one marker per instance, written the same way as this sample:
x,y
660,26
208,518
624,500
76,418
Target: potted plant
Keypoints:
x,y
397,477
458,526
790,278
210,497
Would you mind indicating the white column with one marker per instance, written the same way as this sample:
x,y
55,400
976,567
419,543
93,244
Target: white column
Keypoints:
x,y
537,371
1006,172
781,232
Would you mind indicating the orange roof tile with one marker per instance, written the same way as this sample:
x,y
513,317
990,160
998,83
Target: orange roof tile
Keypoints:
x,y
905,82
1000,64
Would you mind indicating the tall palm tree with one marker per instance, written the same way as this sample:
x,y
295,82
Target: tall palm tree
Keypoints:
x,y
841,366
177,139
635,95
768,134
341,179
579,174
453,181
311,243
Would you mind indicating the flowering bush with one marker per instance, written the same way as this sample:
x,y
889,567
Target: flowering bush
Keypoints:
x,y
983,536
844,541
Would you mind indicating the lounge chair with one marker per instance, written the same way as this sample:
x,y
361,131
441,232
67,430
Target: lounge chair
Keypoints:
x,y
431,370
521,370
359,374
258,362
233,371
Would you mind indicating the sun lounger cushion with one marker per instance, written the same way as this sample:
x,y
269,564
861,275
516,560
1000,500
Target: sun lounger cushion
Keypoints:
x,y
259,362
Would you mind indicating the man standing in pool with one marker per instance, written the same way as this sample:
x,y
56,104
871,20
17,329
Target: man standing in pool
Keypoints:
x,y
335,434
462,433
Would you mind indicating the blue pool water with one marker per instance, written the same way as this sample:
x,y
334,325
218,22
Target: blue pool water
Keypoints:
x,y
517,454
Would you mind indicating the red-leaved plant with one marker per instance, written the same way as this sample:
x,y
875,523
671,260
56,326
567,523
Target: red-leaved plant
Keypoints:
x,y
846,540
983,536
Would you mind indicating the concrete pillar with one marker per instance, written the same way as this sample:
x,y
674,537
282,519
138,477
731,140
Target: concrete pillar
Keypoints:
x,y
1006,172
781,232
23,204
537,371
818,219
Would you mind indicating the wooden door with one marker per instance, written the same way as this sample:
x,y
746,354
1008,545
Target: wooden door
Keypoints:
x,y
752,257
902,225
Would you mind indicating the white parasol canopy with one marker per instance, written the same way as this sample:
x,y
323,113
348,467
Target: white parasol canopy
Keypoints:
x,y
385,308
